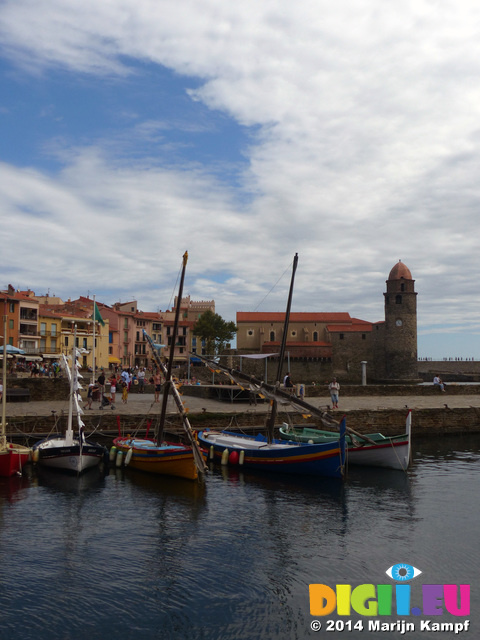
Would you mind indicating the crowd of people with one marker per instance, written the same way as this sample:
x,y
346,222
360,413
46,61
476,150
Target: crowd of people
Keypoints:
x,y
34,368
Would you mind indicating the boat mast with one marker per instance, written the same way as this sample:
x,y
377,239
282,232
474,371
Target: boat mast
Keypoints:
x,y
69,432
273,413
3,437
94,366
166,386
197,454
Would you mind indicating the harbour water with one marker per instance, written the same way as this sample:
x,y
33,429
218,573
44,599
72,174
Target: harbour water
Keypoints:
x,y
129,556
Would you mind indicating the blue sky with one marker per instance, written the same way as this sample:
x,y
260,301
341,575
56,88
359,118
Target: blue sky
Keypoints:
x,y
243,133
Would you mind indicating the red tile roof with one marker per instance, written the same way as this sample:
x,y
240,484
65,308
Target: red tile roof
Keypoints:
x,y
254,316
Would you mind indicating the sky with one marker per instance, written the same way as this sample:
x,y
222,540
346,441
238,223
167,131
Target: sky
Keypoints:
x,y
349,133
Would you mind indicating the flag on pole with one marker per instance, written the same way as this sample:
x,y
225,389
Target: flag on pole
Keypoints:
x,y
97,315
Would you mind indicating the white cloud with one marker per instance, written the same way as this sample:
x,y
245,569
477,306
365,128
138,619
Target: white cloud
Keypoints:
x,y
365,150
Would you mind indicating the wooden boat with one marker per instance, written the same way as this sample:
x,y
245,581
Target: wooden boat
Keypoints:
x,y
168,459
157,456
370,449
70,453
13,457
255,452
267,453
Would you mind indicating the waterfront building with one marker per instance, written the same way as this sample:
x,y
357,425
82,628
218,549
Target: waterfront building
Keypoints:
x,y
321,344
22,321
57,330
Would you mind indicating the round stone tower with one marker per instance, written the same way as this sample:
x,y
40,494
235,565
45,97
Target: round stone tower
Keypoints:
x,y
400,325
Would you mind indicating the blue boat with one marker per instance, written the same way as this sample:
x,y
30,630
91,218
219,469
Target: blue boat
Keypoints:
x,y
255,452
267,453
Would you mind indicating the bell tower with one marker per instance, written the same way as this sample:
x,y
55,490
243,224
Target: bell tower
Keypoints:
x,y
400,325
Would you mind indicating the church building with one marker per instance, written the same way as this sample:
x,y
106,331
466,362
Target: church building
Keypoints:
x,y
320,345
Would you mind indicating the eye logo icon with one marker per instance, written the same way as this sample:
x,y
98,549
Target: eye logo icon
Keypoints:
x,y
402,572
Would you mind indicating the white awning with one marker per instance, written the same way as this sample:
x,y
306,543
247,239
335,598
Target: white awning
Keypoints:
x,y
55,356
259,356
27,357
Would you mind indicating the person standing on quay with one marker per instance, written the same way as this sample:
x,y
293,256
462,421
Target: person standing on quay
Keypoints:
x,y
113,388
141,380
334,389
157,381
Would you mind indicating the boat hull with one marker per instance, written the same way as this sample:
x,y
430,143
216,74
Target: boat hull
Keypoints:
x,y
55,453
168,460
387,452
254,452
12,459
394,454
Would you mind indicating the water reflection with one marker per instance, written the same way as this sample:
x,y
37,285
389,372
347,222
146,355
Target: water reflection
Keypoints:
x,y
14,488
62,482
161,486
151,557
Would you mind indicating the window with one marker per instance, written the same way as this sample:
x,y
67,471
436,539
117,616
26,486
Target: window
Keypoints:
x,y
53,344
315,336
364,336
250,332
402,287
12,307
272,336
43,344
294,333
84,343
342,336
10,324
43,328
398,299
66,341
53,329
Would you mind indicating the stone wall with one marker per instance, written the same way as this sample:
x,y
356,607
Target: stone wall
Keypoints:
x,y
426,423
41,388
450,370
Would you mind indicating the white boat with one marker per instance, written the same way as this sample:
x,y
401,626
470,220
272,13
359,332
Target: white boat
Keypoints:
x,y
70,452
369,450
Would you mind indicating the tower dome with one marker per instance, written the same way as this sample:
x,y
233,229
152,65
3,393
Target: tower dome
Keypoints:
x,y
400,271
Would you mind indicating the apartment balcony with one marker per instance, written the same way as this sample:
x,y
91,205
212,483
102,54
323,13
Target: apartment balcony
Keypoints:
x,y
29,315
29,331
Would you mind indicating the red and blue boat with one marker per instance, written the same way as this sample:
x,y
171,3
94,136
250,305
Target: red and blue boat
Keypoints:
x,y
256,452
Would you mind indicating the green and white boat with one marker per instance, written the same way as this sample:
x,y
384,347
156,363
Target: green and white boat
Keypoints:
x,y
370,449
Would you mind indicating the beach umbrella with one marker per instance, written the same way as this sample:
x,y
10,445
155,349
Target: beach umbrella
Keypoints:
x,y
12,350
